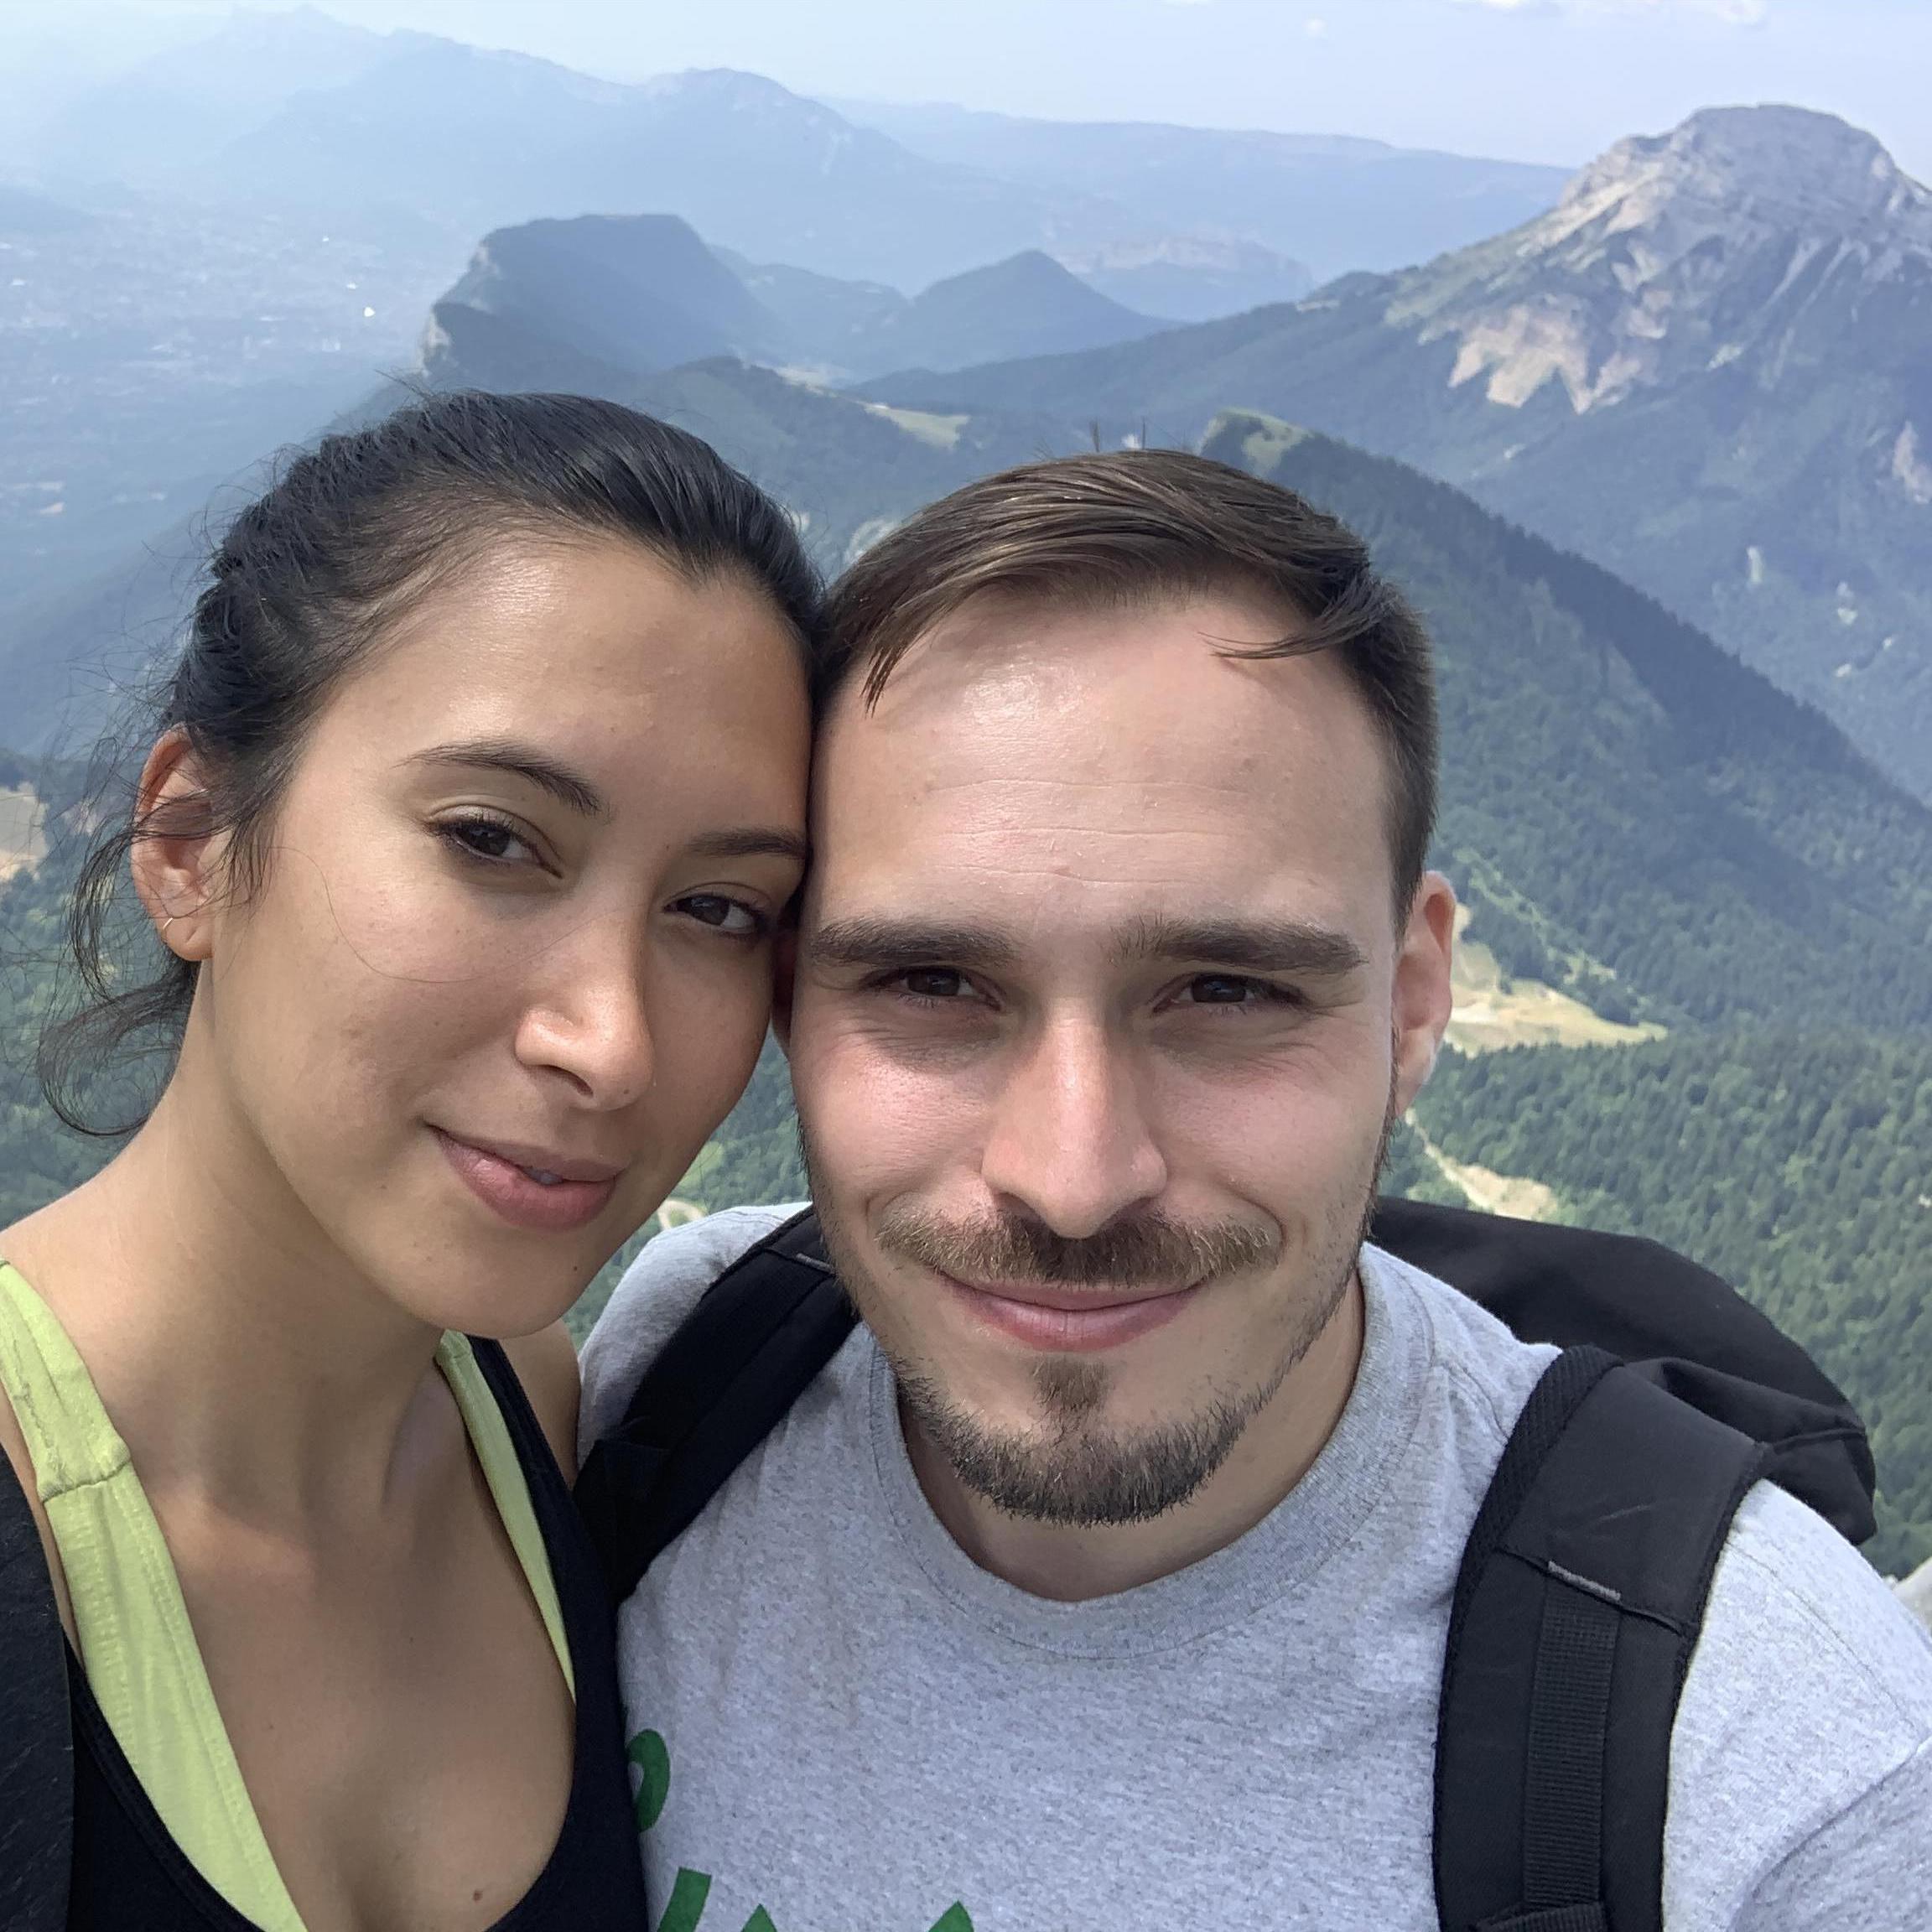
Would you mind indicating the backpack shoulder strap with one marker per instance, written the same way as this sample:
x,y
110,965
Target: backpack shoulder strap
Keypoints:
x,y
1701,1338
36,1735
1579,1602
724,1380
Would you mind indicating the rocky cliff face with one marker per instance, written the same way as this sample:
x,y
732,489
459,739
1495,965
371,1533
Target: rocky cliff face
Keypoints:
x,y
1762,236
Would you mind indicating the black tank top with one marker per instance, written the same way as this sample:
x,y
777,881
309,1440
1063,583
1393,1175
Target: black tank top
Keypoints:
x,y
128,1873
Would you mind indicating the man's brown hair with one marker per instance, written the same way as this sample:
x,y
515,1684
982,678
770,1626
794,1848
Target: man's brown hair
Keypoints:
x,y
1129,528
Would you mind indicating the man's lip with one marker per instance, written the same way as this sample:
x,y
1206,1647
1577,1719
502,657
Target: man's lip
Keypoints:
x,y
538,1159
1072,1301
1070,1321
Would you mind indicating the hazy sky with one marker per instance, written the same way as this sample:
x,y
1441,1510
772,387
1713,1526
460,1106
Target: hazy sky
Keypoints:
x,y
1544,80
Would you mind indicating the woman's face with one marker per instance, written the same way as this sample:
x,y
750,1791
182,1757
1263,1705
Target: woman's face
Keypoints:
x,y
510,960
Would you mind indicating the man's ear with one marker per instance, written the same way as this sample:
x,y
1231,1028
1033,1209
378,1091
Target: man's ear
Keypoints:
x,y
784,975
1422,992
175,854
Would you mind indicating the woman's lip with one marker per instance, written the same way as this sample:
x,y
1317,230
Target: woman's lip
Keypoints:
x,y
1070,1320
542,1160
500,1182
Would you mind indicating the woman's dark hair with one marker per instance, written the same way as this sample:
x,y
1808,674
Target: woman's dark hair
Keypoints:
x,y
353,535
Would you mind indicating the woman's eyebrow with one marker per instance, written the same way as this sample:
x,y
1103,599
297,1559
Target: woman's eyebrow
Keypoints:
x,y
751,842
568,787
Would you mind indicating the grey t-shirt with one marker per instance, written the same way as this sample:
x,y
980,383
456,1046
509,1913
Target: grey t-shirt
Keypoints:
x,y
844,1725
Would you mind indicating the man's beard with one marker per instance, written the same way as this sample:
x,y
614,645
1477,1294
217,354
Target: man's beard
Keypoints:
x,y
1071,1469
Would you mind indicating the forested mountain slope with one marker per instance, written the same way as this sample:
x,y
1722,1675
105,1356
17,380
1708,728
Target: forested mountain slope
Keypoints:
x,y
1705,370
1624,790
1799,1166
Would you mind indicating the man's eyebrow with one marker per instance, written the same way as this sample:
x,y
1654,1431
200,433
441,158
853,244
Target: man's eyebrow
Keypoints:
x,y
1254,945
887,943
568,787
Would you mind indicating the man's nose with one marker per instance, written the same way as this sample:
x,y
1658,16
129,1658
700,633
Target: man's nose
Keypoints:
x,y
1070,1138
594,1029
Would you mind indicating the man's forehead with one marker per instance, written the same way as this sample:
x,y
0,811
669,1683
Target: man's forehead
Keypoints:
x,y
1104,743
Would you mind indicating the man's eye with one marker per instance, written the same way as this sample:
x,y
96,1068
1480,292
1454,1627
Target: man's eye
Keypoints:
x,y
1231,990
934,983
725,915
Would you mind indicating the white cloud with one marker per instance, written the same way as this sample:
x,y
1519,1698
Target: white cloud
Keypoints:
x,y
1733,13
1315,27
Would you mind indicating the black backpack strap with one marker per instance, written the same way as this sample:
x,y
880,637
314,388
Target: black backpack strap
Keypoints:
x,y
724,1381
36,1732
1579,1602
1698,1336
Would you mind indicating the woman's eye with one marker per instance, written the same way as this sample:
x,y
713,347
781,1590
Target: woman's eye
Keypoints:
x,y
724,915
486,839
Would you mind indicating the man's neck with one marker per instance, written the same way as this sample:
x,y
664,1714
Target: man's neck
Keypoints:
x,y
1070,1563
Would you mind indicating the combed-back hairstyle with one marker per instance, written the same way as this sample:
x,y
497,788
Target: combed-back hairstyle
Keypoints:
x,y
355,534
1130,528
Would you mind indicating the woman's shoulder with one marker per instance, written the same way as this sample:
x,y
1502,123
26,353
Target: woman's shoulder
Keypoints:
x,y
20,1462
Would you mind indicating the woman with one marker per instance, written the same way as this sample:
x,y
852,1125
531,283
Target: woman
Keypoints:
x,y
478,793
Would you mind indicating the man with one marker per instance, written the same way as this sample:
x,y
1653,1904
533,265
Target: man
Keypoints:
x,y
1103,1577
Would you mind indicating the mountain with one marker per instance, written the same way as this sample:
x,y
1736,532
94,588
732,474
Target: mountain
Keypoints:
x,y
173,112
1028,298
636,292
1333,202
827,321
298,111
1634,813
1796,1164
567,305
1190,278
1705,369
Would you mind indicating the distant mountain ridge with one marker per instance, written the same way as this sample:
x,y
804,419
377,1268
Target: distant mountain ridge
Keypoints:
x,y
1336,201
298,110
1707,369
564,303
296,107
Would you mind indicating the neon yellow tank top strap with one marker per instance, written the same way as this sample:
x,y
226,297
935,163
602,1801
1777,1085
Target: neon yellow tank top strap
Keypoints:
x,y
137,1645
509,1487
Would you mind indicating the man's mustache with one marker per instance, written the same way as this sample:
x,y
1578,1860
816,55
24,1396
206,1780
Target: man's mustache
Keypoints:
x,y
1144,1250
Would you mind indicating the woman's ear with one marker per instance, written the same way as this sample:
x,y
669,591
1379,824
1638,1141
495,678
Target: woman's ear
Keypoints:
x,y
175,852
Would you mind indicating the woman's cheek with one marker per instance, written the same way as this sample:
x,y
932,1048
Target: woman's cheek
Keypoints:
x,y
708,1042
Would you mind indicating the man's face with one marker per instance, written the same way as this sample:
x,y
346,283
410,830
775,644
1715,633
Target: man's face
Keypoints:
x,y
1101,1016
